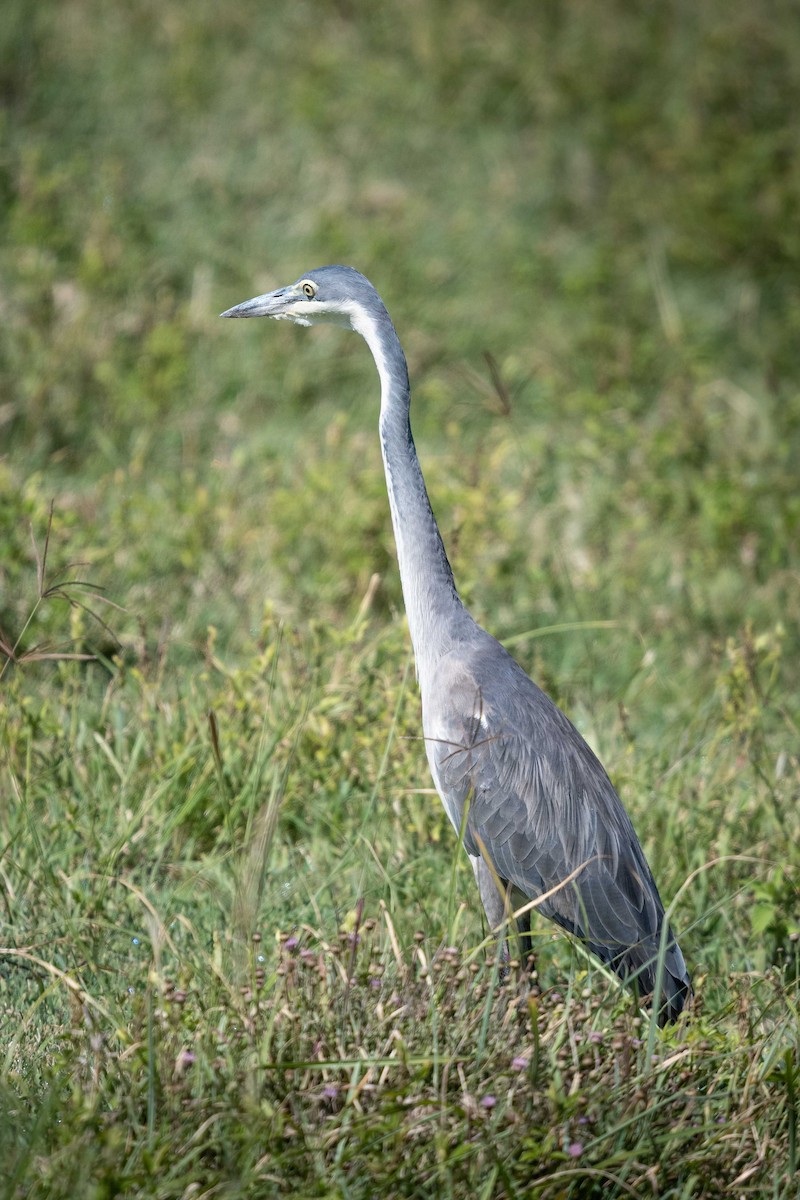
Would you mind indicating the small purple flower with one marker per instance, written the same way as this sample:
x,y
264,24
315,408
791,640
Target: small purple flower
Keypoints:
x,y
184,1060
583,1120
596,1036
575,1149
488,1101
292,942
330,1091
519,1063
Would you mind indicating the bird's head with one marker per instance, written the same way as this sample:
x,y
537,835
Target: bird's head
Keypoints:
x,y
334,295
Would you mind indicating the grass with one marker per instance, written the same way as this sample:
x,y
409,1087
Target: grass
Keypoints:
x,y
240,953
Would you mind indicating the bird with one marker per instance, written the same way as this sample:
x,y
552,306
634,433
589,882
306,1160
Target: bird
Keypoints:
x,y
537,813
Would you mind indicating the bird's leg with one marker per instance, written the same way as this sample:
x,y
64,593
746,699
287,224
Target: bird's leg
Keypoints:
x,y
492,897
526,954
496,899
494,905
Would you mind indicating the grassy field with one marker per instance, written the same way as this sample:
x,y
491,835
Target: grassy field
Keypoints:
x,y
240,952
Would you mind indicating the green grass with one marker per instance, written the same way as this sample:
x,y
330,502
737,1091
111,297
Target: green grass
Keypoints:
x,y
240,953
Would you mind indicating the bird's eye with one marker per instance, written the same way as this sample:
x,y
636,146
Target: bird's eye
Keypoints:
x,y
309,290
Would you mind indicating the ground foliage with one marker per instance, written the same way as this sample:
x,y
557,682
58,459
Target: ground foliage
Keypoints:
x,y
240,954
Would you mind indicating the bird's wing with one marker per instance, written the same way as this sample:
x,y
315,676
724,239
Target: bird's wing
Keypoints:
x,y
540,807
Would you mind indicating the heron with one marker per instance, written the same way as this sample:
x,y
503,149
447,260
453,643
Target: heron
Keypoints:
x,y
537,813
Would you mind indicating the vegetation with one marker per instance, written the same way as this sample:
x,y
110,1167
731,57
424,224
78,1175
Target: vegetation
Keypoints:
x,y
240,952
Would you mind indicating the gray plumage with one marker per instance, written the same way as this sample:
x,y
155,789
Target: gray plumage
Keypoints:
x,y
539,805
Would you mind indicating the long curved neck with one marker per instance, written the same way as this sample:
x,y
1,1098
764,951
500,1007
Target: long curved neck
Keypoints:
x,y
434,609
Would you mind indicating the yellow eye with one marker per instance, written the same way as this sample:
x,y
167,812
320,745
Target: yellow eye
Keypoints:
x,y
309,290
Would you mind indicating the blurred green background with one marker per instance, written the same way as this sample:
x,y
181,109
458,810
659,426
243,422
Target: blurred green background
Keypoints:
x,y
603,196
583,218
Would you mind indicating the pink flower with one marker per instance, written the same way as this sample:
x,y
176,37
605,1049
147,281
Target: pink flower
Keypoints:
x,y
575,1149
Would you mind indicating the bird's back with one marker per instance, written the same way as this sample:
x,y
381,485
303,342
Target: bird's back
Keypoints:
x,y
540,807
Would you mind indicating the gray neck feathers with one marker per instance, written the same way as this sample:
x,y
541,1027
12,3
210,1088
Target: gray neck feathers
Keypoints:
x,y
435,612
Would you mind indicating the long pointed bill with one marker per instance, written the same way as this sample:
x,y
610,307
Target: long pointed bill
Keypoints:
x,y
272,304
